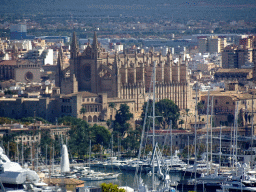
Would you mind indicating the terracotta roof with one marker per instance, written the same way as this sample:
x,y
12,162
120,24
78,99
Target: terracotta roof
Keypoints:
x,y
67,181
233,94
83,94
8,62
166,131
233,71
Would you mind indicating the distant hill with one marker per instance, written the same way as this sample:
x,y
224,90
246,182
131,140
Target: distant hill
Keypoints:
x,y
183,10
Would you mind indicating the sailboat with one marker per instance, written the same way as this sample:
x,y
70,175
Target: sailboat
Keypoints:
x,y
165,178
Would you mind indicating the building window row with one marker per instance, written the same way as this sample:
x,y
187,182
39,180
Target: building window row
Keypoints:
x,y
66,109
32,138
92,108
65,100
90,99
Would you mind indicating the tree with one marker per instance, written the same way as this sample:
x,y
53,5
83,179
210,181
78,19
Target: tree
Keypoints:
x,y
181,122
96,148
32,120
112,105
230,118
169,111
100,135
110,188
132,141
109,122
46,141
191,150
200,109
6,120
79,135
83,110
187,110
166,110
122,116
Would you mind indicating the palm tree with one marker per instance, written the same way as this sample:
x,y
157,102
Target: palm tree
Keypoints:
x,y
112,106
200,109
83,110
187,110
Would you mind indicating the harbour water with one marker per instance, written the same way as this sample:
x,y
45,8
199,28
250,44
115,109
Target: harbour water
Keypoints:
x,y
126,178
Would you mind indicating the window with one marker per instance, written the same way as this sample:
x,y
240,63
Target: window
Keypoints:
x,y
227,103
96,109
91,99
88,99
216,101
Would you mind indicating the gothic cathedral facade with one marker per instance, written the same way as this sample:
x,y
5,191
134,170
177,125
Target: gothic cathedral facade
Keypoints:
x,y
123,76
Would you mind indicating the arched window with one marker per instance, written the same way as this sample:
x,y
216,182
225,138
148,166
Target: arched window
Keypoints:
x,y
95,118
89,118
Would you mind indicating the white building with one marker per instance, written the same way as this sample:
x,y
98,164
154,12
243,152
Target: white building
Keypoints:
x,y
48,59
118,48
21,44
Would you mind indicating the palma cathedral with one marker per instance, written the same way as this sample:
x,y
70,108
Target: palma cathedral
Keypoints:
x,y
123,76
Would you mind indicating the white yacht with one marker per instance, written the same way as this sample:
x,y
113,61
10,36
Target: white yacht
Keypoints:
x,y
15,178
237,186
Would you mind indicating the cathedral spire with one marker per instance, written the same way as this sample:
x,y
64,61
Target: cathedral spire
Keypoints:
x,y
58,76
74,47
95,41
59,60
95,50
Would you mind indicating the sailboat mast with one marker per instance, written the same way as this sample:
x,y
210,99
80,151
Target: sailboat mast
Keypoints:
x,y
252,134
188,150
118,146
207,136
211,130
52,159
46,156
111,149
171,141
231,143
220,145
18,153
37,159
31,156
195,164
236,132
22,157
90,154
154,115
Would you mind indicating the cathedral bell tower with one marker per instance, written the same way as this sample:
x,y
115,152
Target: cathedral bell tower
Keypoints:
x,y
74,51
95,46
59,76
96,62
